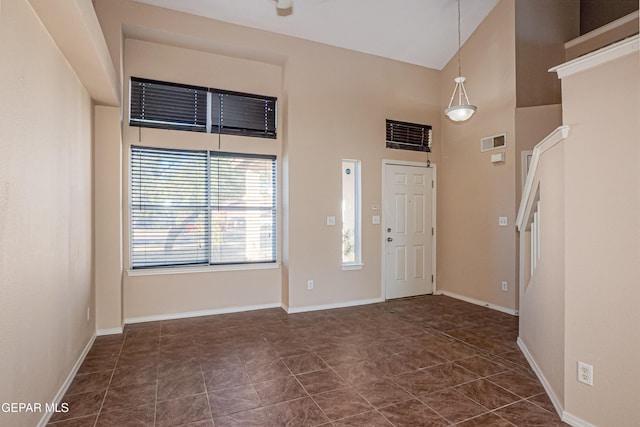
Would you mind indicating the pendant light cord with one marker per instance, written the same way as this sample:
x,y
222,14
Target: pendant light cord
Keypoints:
x,y
459,41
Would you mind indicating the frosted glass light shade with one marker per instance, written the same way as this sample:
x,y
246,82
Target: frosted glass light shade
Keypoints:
x,y
460,112
284,4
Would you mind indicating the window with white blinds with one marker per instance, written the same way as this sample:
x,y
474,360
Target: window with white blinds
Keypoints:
x,y
201,208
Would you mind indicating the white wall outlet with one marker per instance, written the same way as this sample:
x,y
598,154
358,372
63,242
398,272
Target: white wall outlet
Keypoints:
x,y
505,286
585,373
331,220
502,221
309,284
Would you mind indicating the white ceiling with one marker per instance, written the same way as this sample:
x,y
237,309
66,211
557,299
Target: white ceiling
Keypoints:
x,y
422,32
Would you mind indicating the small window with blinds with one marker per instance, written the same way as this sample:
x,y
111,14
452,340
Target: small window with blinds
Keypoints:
x,y
176,106
408,136
167,105
194,208
243,114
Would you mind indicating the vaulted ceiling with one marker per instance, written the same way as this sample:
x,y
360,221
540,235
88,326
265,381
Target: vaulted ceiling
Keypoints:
x,y
422,32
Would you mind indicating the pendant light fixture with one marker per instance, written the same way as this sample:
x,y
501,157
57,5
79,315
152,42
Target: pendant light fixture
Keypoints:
x,y
284,5
461,111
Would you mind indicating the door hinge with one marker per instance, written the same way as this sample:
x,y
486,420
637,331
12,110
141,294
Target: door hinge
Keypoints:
x,y
432,231
432,278
433,185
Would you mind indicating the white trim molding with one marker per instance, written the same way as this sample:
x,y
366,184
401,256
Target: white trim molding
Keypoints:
x,y
67,382
601,56
547,143
186,315
568,418
349,267
602,30
110,331
434,238
500,308
574,421
202,269
292,310
543,380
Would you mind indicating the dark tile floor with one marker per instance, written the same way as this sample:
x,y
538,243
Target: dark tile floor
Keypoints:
x,y
424,361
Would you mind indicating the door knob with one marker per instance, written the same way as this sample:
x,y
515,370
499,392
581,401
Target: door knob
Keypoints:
x,y
389,239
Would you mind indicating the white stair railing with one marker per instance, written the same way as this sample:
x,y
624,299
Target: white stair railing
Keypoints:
x,y
528,220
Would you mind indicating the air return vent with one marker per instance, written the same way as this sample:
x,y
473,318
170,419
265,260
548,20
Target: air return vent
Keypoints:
x,y
493,142
408,136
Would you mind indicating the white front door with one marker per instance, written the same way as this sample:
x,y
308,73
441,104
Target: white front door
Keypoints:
x,y
408,234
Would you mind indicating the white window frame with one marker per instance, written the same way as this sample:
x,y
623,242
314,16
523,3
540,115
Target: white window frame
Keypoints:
x,y
356,166
198,268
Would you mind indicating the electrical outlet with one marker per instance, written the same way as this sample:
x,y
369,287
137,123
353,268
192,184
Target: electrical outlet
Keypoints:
x,y
505,286
585,373
309,284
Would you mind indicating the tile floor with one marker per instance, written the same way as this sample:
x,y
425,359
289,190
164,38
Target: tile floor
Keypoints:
x,y
424,361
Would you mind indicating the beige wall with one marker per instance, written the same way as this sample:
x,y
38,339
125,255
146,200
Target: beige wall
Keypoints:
x,y
155,295
542,28
338,103
332,105
45,214
107,196
542,321
474,254
602,196
532,125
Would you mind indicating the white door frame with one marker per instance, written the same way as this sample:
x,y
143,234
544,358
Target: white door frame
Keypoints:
x,y
383,236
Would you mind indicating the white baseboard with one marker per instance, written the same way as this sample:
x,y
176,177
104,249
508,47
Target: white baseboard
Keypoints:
x,y
479,302
543,380
568,418
355,303
65,386
185,315
574,421
111,331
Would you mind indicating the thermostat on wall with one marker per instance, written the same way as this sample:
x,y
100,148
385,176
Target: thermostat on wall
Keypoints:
x,y
497,158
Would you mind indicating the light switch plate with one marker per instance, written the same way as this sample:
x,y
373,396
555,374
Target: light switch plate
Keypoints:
x,y
375,219
331,220
502,221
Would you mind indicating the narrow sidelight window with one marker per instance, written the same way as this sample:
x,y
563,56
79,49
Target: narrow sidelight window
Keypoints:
x,y
351,251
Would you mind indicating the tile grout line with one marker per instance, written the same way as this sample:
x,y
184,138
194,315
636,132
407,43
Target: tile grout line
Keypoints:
x,y
113,373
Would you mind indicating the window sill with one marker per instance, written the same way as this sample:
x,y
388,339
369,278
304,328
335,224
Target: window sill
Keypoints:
x,y
347,267
202,269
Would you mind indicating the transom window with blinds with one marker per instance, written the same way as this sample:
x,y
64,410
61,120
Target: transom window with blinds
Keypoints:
x,y
167,105
201,208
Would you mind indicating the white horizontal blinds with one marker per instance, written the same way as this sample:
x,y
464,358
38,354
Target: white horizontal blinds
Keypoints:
x,y
408,136
243,114
243,209
169,207
167,105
